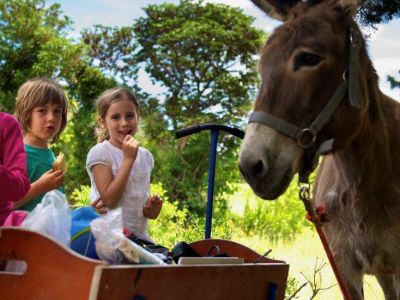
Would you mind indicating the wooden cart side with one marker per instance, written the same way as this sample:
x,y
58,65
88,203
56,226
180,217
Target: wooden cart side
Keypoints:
x,y
53,271
195,282
232,249
266,280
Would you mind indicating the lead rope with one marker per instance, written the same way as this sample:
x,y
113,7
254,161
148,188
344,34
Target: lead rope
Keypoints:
x,y
315,215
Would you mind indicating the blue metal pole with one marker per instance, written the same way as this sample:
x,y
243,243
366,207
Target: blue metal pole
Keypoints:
x,y
211,175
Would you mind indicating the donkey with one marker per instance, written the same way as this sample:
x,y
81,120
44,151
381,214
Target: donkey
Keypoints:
x,y
319,94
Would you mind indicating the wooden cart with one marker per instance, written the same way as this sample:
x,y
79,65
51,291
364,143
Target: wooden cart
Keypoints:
x,y
56,272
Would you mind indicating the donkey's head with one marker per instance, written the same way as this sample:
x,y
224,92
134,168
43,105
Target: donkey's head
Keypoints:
x,y
302,66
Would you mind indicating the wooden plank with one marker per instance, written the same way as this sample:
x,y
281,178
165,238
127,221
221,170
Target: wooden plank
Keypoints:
x,y
247,281
53,271
232,249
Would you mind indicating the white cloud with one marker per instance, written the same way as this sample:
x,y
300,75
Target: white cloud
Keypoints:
x,y
262,21
384,51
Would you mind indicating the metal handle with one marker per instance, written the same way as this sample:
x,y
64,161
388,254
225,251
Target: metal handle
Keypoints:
x,y
197,128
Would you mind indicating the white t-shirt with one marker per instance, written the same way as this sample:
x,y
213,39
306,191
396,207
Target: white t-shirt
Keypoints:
x,y
137,189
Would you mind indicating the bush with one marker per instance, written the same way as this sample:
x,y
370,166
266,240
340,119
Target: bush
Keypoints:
x,y
174,225
292,286
80,196
276,220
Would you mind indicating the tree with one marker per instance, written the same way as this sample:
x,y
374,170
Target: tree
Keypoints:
x,y
374,12
113,49
203,55
393,82
34,43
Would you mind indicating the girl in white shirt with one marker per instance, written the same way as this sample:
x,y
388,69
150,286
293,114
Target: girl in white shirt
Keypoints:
x,y
118,167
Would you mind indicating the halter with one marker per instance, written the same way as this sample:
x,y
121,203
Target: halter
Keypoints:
x,y
306,137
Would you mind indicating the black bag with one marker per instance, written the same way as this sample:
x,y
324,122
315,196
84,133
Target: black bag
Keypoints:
x,y
182,249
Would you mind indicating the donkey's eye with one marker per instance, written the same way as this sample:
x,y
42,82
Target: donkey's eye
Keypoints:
x,y
306,60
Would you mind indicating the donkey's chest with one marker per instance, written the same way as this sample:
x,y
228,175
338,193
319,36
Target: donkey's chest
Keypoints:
x,y
369,235
374,252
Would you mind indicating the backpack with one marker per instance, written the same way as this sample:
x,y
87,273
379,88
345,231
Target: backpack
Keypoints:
x,y
82,239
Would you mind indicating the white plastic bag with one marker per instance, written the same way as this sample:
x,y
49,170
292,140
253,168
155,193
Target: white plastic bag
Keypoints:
x,y
113,247
107,231
52,216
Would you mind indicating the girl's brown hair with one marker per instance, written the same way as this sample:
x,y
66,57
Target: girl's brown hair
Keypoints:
x,y
104,102
37,92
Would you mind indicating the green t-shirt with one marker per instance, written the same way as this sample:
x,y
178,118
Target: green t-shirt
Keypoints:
x,y
39,161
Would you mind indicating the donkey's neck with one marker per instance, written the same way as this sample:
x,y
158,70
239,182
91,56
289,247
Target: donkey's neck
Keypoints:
x,y
368,163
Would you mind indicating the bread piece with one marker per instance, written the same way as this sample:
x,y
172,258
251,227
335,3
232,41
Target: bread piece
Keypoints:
x,y
59,163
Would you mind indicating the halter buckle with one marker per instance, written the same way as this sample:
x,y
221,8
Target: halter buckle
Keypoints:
x,y
306,138
304,191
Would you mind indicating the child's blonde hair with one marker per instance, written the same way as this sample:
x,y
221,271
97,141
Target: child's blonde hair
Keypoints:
x,y
37,92
104,102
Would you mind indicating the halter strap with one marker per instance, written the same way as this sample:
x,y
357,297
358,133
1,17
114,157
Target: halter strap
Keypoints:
x,y
354,84
296,132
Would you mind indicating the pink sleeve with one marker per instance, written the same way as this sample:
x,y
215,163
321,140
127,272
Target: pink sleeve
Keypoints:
x,y
13,177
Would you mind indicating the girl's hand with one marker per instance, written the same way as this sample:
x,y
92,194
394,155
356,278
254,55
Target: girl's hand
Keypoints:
x,y
99,206
130,147
153,206
51,180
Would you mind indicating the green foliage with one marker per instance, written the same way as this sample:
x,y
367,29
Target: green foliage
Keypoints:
x,y
373,12
174,224
281,219
291,288
113,49
393,82
185,172
80,196
75,142
203,54
171,226
33,43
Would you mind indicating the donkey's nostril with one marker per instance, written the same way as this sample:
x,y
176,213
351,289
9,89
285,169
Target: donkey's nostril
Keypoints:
x,y
257,168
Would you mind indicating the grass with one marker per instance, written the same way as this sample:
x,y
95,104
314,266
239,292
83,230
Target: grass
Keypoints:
x,y
301,254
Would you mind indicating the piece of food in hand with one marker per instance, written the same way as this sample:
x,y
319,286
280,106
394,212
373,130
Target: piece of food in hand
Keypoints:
x,y
59,163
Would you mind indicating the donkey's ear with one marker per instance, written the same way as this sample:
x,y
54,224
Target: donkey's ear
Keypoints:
x,y
348,6
271,8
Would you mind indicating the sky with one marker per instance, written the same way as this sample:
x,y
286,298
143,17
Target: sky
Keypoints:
x,y
383,44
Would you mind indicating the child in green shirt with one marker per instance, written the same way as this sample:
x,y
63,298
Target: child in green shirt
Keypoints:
x,y
41,109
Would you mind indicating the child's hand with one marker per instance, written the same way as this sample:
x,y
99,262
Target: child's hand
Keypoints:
x,y
130,147
51,180
48,181
99,206
152,207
